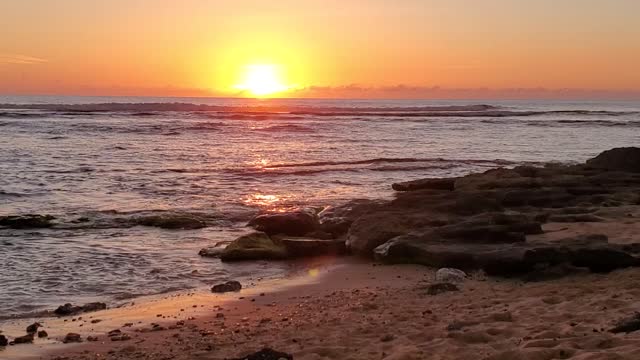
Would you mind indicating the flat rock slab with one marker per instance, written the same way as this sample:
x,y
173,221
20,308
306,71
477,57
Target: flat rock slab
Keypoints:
x,y
509,260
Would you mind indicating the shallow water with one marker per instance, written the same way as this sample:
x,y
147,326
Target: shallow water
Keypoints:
x,y
101,170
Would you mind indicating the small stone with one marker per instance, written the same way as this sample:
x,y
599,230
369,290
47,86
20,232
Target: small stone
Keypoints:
x,y
33,328
26,339
229,286
267,354
72,338
450,275
387,338
92,338
42,334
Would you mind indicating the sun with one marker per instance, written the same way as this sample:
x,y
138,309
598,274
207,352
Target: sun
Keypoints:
x,y
261,80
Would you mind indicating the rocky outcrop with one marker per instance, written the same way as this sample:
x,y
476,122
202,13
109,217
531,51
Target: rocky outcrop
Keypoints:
x,y
296,223
627,325
254,246
619,159
172,221
336,220
507,260
426,184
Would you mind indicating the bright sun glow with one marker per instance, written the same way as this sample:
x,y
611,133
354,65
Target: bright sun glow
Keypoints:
x,y
261,80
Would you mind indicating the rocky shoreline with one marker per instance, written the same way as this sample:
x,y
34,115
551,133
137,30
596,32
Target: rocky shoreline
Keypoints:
x,y
531,224
486,221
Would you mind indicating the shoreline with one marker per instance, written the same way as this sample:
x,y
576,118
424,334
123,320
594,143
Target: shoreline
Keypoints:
x,y
546,262
357,310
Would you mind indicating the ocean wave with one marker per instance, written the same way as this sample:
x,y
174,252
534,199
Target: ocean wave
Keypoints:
x,y
388,160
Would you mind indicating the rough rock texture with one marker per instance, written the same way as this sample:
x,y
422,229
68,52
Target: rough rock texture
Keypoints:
x,y
3,340
485,220
450,275
336,220
254,246
297,223
213,251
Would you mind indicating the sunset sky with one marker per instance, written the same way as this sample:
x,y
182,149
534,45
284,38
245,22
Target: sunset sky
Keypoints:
x,y
322,48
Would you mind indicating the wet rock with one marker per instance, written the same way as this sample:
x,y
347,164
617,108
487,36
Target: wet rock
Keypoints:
x,y
94,306
33,328
72,338
296,223
627,325
26,339
372,230
618,159
254,246
440,288
303,247
507,260
450,275
43,334
229,286
27,221
336,220
213,252
69,309
267,354
447,184
3,340
173,221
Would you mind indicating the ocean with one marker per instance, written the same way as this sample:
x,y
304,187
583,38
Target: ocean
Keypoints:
x,y
104,166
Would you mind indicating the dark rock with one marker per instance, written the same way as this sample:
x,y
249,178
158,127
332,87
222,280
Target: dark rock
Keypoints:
x,y
297,223
214,251
94,306
336,220
69,309
254,246
267,354
229,286
627,325
33,328
173,221
569,218
619,159
439,288
303,247
507,260
372,230
26,339
3,340
447,184
27,221
72,338
42,334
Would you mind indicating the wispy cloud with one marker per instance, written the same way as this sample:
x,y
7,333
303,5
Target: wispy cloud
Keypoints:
x,y
20,59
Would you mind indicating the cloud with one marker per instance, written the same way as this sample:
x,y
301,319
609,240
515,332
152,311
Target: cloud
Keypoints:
x,y
20,59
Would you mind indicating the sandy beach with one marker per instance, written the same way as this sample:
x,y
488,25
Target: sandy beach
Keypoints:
x,y
364,311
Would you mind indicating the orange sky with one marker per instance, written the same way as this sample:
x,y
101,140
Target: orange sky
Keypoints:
x,y
325,48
